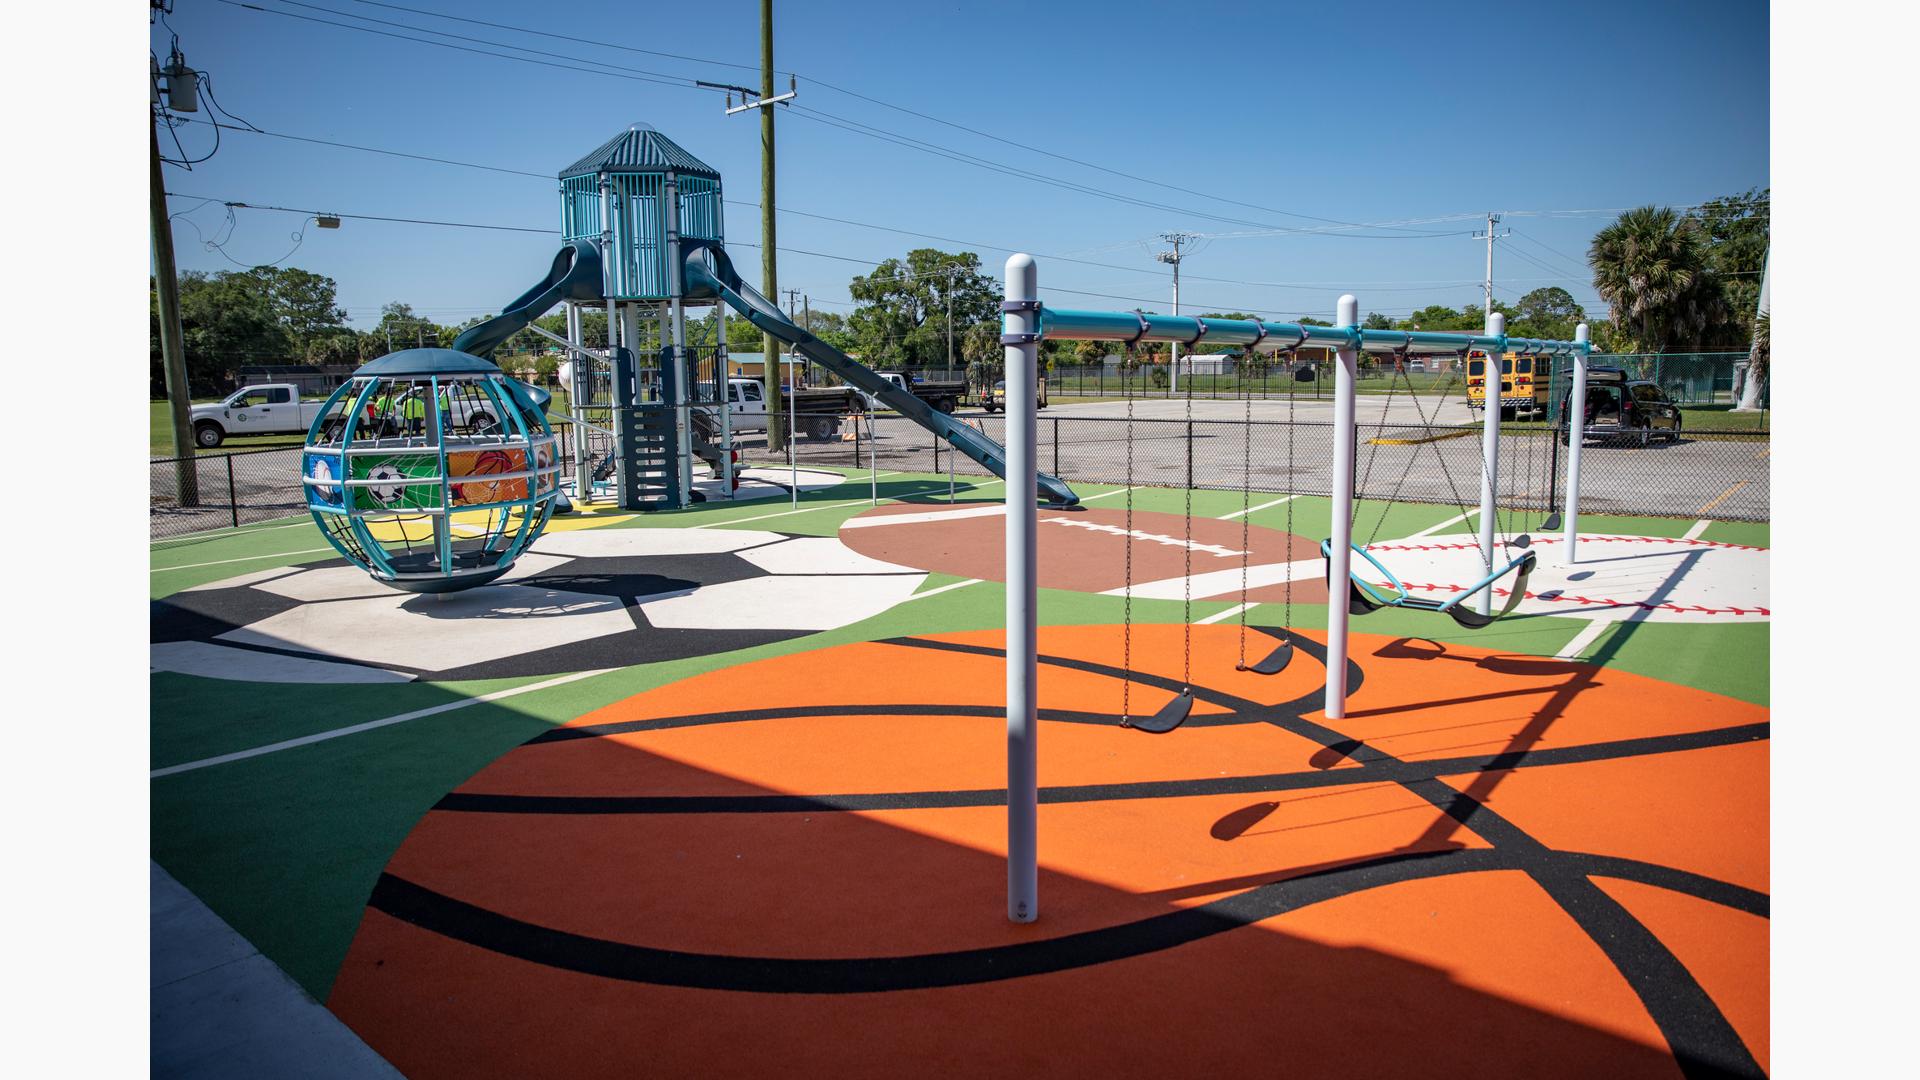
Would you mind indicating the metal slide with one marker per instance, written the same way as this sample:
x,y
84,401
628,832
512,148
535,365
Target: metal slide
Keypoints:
x,y
575,276
710,275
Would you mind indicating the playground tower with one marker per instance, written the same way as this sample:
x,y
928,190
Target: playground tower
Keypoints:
x,y
637,196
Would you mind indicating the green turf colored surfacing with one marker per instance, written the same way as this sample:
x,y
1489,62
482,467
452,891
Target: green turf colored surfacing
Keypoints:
x,y
287,845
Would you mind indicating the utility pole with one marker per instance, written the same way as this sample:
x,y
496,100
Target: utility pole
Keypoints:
x,y
173,354
764,99
769,268
949,291
1177,239
1490,235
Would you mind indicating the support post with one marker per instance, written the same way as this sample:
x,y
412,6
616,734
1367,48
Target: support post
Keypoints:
x,y
1576,421
577,394
1490,450
1023,792
1340,548
683,373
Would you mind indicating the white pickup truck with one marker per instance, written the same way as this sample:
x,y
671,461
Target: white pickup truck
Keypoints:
x,y
277,409
270,409
818,409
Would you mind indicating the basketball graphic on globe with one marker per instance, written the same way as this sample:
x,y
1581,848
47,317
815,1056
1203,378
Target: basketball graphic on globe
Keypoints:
x,y
472,463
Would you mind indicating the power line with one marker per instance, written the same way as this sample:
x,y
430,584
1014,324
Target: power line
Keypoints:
x,y
238,205
1298,286
880,102
857,127
648,77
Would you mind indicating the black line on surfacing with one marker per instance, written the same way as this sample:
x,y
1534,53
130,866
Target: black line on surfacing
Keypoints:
x,y
460,921
1379,770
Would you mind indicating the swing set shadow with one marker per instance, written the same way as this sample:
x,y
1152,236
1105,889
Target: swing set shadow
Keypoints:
x,y
1581,676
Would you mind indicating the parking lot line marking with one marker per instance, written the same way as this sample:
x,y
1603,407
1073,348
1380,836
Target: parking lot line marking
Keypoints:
x,y
1707,509
1698,528
1256,509
249,558
355,729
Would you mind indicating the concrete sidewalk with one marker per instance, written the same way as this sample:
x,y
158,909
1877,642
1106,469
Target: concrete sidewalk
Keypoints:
x,y
221,1009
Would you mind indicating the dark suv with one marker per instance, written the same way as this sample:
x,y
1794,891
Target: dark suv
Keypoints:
x,y
1628,410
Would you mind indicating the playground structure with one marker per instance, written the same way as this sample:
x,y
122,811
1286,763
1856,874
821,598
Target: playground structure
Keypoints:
x,y
643,225
1028,322
431,470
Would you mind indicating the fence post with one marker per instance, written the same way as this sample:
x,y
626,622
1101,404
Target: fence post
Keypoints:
x,y
1056,446
233,504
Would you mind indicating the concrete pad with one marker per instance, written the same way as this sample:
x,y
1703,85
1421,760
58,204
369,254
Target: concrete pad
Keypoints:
x,y
436,633
246,665
817,555
220,1009
783,603
620,542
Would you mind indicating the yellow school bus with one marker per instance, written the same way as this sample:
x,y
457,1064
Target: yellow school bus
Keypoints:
x,y
1525,383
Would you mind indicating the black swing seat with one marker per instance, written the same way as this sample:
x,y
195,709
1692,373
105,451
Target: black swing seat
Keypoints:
x,y
1171,715
1273,663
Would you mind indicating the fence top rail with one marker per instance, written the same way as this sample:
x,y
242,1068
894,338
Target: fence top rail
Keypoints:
x,y
1262,336
255,451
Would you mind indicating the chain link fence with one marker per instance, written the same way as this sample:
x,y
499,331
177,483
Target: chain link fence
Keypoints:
x,y
218,491
1721,475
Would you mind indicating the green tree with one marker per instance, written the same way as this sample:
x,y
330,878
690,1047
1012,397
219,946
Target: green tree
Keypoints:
x,y
1376,321
1546,313
902,319
227,321
1652,268
1737,234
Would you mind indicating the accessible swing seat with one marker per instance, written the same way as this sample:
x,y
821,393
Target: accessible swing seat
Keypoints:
x,y
1362,599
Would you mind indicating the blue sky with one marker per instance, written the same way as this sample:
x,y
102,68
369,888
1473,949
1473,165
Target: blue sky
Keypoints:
x,y
1417,114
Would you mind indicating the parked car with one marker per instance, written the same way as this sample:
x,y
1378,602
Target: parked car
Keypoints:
x,y
1625,410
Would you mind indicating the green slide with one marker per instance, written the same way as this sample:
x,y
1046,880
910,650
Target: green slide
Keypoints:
x,y
710,275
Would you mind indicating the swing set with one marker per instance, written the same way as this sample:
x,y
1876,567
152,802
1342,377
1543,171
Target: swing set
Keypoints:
x,y
1027,322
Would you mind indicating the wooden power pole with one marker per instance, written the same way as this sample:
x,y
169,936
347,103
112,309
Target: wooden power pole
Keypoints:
x,y
769,269
173,354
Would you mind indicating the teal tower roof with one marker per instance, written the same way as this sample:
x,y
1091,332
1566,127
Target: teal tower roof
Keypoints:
x,y
641,149
618,198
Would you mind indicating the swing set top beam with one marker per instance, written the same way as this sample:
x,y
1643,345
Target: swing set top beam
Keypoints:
x,y
1131,326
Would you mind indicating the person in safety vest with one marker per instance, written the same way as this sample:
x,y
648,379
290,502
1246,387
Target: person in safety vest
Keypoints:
x,y
413,408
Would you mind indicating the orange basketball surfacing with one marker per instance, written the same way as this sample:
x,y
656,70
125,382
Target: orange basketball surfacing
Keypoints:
x,y
797,866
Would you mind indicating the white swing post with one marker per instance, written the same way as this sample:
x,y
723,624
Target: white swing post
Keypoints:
x,y
1020,339
1346,374
1490,450
1576,424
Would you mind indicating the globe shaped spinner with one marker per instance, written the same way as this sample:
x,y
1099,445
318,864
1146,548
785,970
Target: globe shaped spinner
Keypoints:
x,y
431,469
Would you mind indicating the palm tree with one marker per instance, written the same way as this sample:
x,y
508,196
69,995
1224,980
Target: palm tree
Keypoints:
x,y
1650,266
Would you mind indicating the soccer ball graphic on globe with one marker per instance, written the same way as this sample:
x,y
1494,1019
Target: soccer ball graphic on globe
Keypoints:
x,y
386,487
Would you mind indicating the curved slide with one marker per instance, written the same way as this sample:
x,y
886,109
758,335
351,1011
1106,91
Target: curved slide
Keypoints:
x,y
575,275
710,274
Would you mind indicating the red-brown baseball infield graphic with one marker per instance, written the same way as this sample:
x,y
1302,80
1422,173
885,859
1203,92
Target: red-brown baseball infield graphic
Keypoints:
x,y
1085,550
